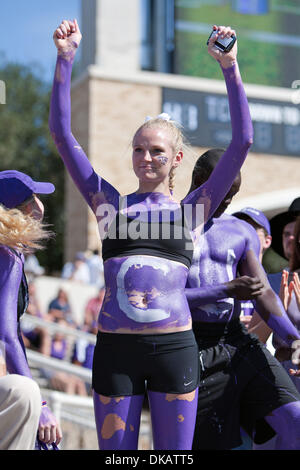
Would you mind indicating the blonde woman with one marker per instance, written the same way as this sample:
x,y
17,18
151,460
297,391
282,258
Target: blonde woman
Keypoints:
x,y
21,231
145,340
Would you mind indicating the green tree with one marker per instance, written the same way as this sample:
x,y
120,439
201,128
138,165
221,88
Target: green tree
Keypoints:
x,y
26,145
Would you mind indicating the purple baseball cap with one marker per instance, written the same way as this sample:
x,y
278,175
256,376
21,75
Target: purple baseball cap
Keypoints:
x,y
256,215
16,187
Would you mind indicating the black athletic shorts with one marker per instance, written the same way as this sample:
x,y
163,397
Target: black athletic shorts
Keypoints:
x,y
128,364
241,382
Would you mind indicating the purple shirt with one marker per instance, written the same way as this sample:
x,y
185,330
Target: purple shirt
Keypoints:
x,y
11,271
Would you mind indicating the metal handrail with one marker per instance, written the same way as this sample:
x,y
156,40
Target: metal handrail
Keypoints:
x,y
40,360
53,327
59,400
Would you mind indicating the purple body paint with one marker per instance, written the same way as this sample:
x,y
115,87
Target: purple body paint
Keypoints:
x,y
286,422
97,191
16,362
147,292
173,419
286,419
118,421
216,260
138,294
228,247
10,279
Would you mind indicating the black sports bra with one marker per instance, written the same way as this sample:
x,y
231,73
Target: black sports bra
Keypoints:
x,y
166,235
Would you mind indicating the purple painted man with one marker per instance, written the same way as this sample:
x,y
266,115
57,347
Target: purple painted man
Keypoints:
x,y
241,383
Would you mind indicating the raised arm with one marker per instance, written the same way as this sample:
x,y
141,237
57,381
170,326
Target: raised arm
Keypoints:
x,y
94,189
213,191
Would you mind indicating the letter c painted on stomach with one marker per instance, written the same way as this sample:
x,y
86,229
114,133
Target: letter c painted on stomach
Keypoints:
x,y
134,313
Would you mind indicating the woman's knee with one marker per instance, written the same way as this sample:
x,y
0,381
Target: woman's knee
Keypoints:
x,y
24,391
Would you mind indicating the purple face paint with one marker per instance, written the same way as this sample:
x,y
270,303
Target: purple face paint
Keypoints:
x,y
163,160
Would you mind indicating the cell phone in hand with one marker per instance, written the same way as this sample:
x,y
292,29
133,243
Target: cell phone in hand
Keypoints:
x,y
225,44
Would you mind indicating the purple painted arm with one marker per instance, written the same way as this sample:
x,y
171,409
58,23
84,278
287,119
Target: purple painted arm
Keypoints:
x,y
281,325
94,189
213,191
197,296
10,278
268,305
241,288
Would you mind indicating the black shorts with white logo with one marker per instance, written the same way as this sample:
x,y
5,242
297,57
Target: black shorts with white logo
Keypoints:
x,y
128,364
241,382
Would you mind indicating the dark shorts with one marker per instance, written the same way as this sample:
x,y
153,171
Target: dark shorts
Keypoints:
x,y
128,364
241,382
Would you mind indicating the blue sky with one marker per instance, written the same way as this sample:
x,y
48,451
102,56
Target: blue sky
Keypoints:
x,y
26,29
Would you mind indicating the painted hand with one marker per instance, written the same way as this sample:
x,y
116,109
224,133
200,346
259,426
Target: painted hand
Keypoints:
x,y
245,288
49,429
67,37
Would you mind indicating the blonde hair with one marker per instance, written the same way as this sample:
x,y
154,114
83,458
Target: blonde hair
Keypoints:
x,y
21,231
178,140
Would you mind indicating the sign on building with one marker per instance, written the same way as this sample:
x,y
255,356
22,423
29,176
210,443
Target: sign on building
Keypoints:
x,y
206,120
